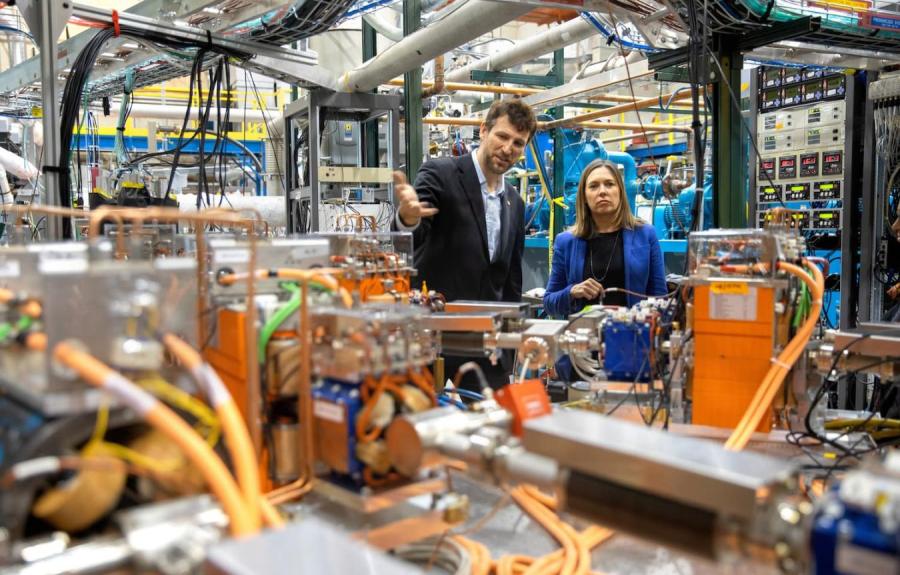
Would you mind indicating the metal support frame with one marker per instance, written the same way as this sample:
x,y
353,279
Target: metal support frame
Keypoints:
x,y
46,19
872,224
729,175
763,37
412,95
850,227
752,158
312,110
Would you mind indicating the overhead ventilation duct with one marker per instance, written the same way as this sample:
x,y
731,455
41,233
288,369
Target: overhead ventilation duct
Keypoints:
x,y
473,19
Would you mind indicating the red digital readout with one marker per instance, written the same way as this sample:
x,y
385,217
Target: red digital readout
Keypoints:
x,y
809,160
833,158
787,163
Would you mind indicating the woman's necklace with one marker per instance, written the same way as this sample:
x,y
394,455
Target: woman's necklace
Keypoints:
x,y
612,254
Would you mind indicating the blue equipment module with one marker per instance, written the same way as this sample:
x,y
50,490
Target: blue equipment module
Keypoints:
x,y
627,350
336,406
850,540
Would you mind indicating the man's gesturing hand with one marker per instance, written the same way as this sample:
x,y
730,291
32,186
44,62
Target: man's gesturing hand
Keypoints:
x,y
410,209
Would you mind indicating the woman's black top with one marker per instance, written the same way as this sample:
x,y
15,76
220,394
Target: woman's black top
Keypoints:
x,y
605,262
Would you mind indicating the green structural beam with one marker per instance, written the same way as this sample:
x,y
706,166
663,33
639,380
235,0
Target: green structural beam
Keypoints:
x,y
729,165
412,94
559,165
513,78
370,128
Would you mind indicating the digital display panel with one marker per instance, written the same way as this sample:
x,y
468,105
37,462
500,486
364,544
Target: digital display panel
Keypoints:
x,y
826,219
812,92
826,190
809,165
832,163
797,193
834,87
792,95
787,167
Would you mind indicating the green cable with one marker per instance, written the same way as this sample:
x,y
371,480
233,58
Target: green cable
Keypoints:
x,y
5,329
279,317
283,313
24,323
802,306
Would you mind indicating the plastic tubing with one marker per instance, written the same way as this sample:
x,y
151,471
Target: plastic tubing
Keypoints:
x,y
773,379
220,481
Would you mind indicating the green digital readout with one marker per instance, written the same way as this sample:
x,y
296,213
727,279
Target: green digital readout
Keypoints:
x,y
826,216
798,188
826,187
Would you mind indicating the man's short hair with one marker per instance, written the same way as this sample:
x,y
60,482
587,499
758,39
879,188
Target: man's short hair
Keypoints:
x,y
519,113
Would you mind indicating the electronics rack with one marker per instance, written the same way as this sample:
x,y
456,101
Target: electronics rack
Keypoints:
x,y
804,130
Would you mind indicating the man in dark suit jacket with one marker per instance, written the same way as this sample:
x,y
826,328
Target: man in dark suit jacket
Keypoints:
x,y
468,225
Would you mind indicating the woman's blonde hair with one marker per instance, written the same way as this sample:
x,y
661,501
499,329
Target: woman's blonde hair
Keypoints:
x,y
584,223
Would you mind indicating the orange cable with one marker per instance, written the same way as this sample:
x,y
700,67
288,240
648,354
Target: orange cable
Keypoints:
x,y
237,437
774,378
160,416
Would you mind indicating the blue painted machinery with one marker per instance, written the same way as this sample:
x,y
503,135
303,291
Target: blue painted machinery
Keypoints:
x,y
856,528
370,367
579,151
626,349
673,211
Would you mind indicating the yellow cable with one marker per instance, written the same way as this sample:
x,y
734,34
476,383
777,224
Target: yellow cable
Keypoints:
x,y
157,414
546,192
186,402
173,396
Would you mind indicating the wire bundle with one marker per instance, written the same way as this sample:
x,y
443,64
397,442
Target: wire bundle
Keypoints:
x,y
574,557
77,81
883,431
785,361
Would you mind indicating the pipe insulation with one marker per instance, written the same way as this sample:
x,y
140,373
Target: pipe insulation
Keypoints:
x,y
574,30
386,29
473,19
17,165
271,208
172,112
6,196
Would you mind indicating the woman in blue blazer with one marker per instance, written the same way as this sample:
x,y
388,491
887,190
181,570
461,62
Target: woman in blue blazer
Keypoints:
x,y
608,247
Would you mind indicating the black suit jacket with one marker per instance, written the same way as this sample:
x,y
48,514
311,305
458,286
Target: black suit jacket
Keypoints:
x,y
451,251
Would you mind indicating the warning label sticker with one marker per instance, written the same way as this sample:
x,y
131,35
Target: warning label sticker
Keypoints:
x,y
737,302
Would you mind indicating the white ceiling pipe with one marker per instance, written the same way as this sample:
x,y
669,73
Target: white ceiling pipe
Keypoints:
x,y
273,118
574,30
386,29
17,165
473,19
172,112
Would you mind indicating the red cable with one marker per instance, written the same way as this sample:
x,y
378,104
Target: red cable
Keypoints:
x,y
115,21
